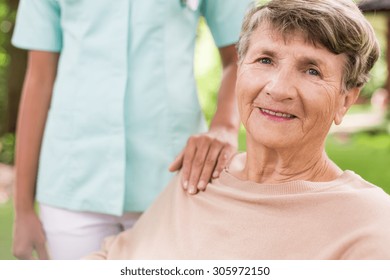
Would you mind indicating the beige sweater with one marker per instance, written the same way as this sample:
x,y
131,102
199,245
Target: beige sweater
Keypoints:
x,y
347,218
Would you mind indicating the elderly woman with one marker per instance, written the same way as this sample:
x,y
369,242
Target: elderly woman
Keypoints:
x,y
302,64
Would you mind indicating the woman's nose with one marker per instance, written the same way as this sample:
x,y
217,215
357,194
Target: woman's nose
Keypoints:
x,y
280,86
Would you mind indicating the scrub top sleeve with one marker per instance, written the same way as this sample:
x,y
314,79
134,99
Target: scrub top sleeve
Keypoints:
x,y
38,26
224,18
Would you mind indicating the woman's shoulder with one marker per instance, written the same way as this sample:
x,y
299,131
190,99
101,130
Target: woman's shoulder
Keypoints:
x,y
357,182
366,196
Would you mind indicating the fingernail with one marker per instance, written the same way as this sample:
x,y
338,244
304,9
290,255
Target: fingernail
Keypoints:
x,y
192,189
201,185
185,184
215,174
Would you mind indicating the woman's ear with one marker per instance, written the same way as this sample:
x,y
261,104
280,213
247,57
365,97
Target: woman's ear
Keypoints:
x,y
347,99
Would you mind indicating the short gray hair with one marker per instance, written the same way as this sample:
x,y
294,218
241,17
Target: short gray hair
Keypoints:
x,y
337,25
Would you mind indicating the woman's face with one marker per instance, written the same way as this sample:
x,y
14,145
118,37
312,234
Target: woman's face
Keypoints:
x,y
290,91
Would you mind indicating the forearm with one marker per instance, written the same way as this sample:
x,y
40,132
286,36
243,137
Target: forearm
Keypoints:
x,y
226,116
33,111
206,154
29,136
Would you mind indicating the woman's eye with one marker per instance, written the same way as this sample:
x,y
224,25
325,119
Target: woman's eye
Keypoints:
x,y
265,60
313,72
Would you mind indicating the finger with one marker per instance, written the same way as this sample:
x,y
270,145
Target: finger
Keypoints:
x,y
177,163
209,166
223,160
42,252
198,164
23,255
188,156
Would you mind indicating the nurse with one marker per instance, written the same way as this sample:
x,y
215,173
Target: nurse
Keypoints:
x,y
109,101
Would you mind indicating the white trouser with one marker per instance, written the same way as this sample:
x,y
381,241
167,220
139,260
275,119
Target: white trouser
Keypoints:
x,y
73,235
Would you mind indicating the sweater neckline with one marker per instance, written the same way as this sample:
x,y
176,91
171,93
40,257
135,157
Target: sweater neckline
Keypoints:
x,y
293,187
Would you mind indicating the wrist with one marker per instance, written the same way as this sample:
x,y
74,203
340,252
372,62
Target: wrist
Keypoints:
x,y
225,119
23,209
228,127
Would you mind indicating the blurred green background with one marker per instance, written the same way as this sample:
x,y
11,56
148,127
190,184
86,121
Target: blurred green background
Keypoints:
x,y
367,152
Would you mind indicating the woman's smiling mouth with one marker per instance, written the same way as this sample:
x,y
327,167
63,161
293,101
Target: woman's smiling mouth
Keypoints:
x,y
276,115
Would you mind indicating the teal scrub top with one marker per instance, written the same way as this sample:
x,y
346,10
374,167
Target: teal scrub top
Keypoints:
x,y
124,101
